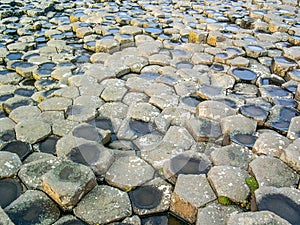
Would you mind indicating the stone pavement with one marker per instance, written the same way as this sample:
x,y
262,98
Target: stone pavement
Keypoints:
x,y
149,112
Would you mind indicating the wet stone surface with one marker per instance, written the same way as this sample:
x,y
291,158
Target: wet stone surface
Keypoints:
x,y
141,92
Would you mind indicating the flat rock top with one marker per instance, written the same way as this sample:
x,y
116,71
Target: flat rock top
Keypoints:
x,y
138,93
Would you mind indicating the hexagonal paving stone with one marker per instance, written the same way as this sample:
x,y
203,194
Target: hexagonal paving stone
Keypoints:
x,y
214,110
55,104
67,183
152,197
179,136
31,173
203,129
270,143
143,111
270,171
81,113
230,182
10,164
32,130
188,162
186,199
93,155
232,155
284,202
129,172
33,207
256,218
216,214
104,204
24,113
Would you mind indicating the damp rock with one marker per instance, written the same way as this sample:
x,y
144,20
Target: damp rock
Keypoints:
x,y
103,204
214,110
10,190
24,113
243,74
67,183
186,199
232,155
203,129
270,143
230,182
68,220
87,131
294,128
280,118
256,218
93,155
4,219
276,173
281,65
33,207
31,173
283,202
6,130
32,130
291,155
216,213
237,124
143,111
10,164
254,112
129,172
152,197
22,149
189,162
273,91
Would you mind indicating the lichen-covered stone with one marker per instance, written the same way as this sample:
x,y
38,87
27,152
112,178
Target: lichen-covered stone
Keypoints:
x,y
104,204
67,183
10,164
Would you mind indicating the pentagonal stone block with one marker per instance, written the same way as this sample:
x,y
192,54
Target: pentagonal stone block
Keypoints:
x,y
33,207
186,198
276,173
129,172
214,110
102,205
67,183
189,162
151,197
32,172
230,182
32,131
270,143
